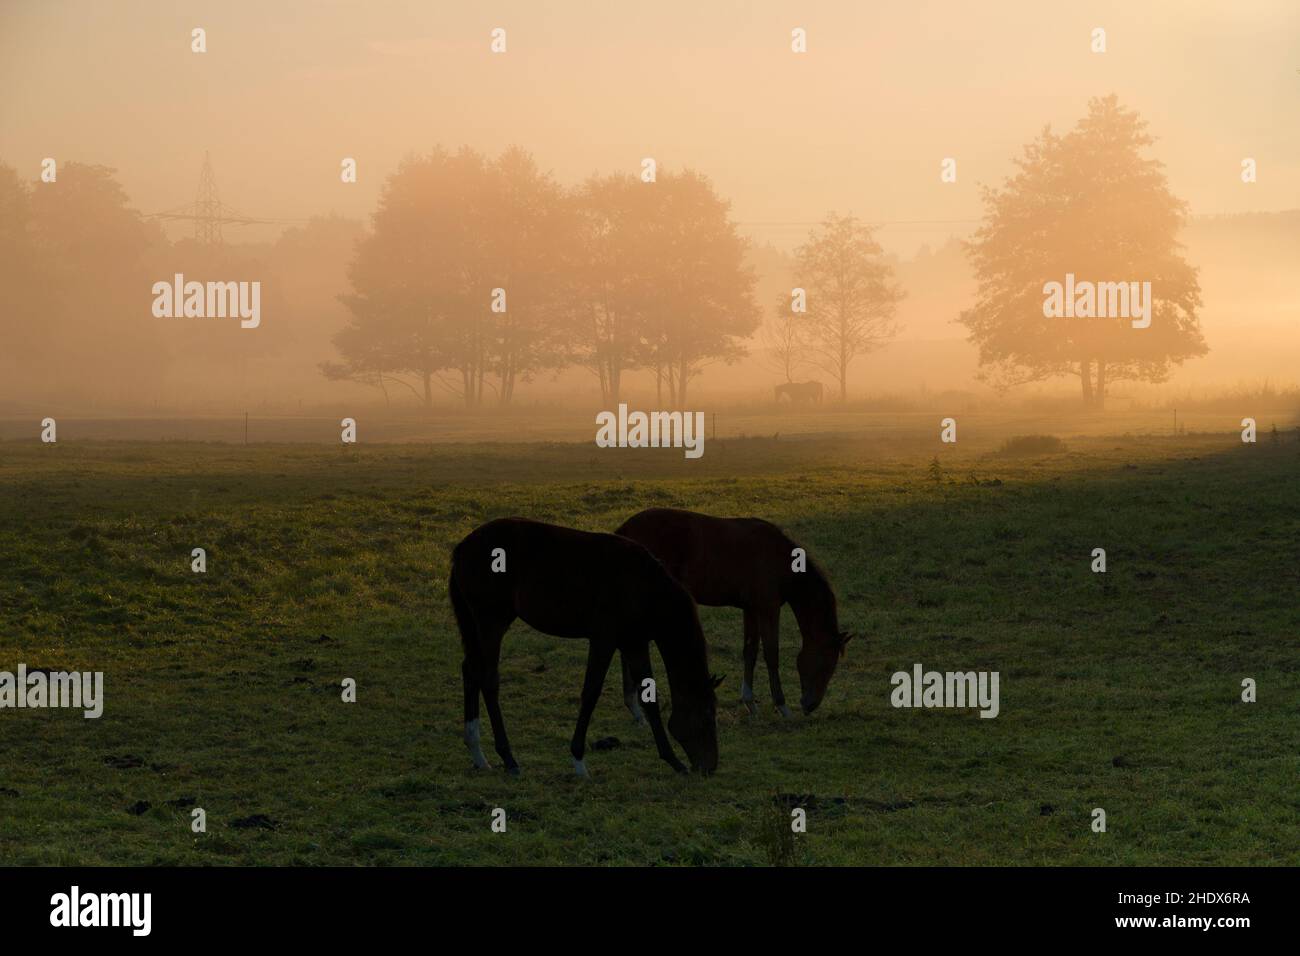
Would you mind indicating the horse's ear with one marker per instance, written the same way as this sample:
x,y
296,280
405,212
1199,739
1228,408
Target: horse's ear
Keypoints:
x,y
716,679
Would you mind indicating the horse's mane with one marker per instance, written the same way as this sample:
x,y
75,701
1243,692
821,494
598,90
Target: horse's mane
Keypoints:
x,y
812,590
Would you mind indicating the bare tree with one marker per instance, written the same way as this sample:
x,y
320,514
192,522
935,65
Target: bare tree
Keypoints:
x,y
851,296
783,339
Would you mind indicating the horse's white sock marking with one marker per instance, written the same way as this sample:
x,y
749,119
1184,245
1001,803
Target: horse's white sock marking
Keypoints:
x,y
785,711
579,767
746,692
471,741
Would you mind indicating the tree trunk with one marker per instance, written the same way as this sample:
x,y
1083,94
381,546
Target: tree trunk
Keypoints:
x,y
1100,396
1085,376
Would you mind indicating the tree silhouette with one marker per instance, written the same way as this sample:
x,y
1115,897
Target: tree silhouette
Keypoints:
x,y
700,305
1089,204
783,338
851,296
94,259
450,229
612,286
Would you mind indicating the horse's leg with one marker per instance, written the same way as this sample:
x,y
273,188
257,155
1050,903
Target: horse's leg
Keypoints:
x,y
491,682
770,627
630,692
751,660
471,670
638,660
599,654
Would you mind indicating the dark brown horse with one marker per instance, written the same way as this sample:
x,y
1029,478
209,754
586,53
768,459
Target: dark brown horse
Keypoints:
x,y
750,564
599,587
799,392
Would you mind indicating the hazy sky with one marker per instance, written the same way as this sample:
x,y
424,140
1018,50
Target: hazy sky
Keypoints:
x,y
859,123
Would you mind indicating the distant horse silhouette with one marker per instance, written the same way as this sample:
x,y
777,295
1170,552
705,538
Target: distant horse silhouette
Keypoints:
x,y
598,587
747,563
799,392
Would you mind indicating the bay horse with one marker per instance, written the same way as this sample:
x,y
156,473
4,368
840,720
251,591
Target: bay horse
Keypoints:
x,y
749,563
799,392
604,589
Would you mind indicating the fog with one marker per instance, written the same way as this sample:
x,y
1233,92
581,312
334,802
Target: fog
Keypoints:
x,y
470,162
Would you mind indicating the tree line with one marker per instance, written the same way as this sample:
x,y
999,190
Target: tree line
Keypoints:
x,y
478,274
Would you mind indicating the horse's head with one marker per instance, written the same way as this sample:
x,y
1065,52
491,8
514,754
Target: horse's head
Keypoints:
x,y
694,724
817,663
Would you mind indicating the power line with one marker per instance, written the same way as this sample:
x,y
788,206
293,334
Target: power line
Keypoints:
x,y
209,213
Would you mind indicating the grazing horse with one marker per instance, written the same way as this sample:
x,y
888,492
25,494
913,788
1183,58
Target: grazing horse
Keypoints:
x,y
749,563
599,587
799,392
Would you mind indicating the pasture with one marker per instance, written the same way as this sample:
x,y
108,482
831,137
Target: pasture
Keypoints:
x,y
1118,690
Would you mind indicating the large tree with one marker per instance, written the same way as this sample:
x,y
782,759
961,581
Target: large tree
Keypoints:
x,y
94,261
851,295
526,233
410,283
610,280
1089,204
27,288
449,230
700,306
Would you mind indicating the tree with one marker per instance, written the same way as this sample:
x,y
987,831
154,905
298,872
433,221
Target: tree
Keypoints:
x,y
612,285
405,280
783,339
851,296
700,305
450,229
1086,204
527,231
21,276
90,295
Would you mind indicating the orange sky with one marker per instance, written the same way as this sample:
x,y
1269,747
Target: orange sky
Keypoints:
x,y
859,123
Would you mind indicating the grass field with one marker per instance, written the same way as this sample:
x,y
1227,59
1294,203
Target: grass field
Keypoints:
x,y
1118,690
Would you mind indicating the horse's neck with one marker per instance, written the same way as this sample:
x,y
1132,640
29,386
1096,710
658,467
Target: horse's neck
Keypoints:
x,y
678,661
813,604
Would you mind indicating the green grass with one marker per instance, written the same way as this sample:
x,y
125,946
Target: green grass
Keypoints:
x,y
326,563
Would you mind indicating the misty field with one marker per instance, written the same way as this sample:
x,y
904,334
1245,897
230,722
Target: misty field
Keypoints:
x,y
223,690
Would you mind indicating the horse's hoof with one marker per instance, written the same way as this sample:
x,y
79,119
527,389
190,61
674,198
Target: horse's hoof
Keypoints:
x,y
785,711
580,768
750,706
514,771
